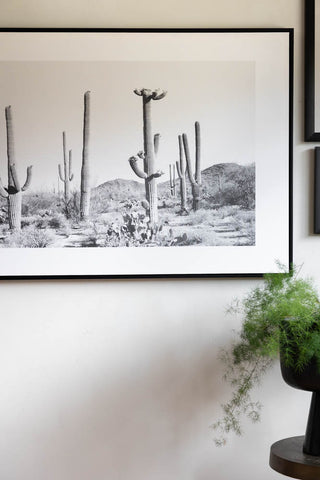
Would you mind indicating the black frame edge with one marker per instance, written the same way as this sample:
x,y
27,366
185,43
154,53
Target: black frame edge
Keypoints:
x,y
310,135
316,228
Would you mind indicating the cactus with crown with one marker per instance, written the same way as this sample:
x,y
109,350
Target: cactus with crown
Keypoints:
x,y
13,192
151,145
195,179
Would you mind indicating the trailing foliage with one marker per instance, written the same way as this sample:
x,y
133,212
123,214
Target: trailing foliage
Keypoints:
x,y
282,313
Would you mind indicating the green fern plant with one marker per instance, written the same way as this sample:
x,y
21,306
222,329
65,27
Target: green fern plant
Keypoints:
x,y
281,314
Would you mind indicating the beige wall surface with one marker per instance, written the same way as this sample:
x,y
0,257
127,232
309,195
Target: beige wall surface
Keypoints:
x,y
119,379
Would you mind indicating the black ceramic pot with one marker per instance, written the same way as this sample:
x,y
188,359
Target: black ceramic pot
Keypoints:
x,y
309,380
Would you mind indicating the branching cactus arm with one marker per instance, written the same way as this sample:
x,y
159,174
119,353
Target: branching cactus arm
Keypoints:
x,y
135,167
181,165
28,179
3,191
172,171
14,176
181,169
158,94
157,174
188,159
156,140
60,173
70,166
178,169
64,174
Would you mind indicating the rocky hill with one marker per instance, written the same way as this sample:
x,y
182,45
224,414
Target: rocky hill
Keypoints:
x,y
215,179
120,189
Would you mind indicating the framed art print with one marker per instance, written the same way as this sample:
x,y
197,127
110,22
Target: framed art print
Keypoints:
x,y
316,228
140,153
312,68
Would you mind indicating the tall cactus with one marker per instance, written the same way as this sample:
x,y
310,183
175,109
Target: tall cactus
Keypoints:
x,y
66,176
85,190
172,170
195,180
182,169
13,193
149,172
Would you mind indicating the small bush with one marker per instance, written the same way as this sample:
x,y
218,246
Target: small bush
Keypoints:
x,y
42,222
29,237
71,208
240,190
4,229
26,221
3,215
37,203
58,222
95,234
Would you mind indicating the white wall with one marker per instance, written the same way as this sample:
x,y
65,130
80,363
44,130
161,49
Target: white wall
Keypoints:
x,y
119,379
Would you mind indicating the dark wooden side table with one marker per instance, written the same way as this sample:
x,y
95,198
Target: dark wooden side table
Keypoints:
x,y
287,457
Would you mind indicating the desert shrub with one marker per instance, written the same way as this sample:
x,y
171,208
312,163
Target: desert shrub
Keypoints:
x,y
169,202
182,240
29,237
39,202
46,220
4,229
58,221
3,215
201,216
244,221
95,234
209,216
98,203
42,221
71,208
29,220
240,189
228,211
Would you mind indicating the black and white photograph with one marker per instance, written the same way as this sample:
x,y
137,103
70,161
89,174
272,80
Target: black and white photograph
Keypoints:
x,y
144,153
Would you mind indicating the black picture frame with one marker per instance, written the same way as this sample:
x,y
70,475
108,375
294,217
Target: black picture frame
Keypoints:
x,y
311,133
316,229
283,241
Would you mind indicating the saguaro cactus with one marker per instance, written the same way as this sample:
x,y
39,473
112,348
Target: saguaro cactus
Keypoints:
x,y
182,169
13,193
172,170
66,176
149,172
85,190
195,180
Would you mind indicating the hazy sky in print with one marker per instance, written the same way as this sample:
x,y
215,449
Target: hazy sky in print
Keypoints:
x,y
47,99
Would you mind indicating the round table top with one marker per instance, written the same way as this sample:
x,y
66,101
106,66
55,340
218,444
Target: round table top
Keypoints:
x,y
287,457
